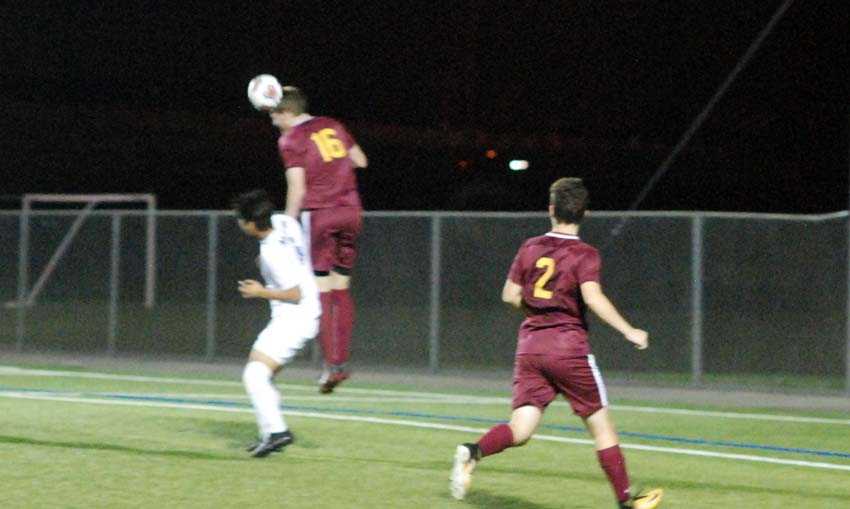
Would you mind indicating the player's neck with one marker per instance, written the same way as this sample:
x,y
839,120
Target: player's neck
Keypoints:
x,y
565,228
261,235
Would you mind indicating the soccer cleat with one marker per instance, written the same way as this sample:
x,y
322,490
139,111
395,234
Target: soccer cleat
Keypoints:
x,y
329,381
461,477
649,499
273,443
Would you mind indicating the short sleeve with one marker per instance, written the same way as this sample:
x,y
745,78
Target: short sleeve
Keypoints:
x,y
588,267
345,137
291,155
516,271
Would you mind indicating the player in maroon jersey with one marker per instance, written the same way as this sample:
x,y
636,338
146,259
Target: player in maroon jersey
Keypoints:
x,y
320,157
554,278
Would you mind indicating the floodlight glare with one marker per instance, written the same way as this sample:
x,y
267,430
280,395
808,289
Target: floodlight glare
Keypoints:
x,y
518,164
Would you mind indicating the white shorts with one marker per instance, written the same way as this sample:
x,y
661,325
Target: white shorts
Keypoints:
x,y
283,337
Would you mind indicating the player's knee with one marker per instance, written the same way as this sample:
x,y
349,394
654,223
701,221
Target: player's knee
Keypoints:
x,y
521,436
342,271
255,374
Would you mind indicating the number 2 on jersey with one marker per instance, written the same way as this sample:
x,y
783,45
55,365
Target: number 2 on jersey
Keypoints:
x,y
549,264
330,147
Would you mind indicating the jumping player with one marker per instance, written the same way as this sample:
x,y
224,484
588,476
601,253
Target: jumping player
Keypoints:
x,y
291,291
320,157
553,279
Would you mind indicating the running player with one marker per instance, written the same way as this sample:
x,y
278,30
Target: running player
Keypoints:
x,y
553,279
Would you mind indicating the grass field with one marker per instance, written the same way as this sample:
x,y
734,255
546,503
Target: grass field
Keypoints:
x,y
82,439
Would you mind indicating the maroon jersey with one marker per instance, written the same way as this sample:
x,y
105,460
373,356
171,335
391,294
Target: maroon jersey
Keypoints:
x,y
320,145
550,269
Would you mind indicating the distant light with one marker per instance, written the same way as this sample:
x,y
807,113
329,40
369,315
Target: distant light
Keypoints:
x,y
462,164
491,154
518,164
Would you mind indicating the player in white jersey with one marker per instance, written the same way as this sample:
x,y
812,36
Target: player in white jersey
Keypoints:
x,y
291,290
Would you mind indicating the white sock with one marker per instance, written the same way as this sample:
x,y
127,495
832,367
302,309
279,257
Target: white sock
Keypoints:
x,y
257,378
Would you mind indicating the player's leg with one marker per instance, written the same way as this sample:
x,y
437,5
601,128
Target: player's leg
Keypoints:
x,y
346,229
318,232
589,399
532,392
516,433
327,329
336,370
611,459
276,345
265,398
343,313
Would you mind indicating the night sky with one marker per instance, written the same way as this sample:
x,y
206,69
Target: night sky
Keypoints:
x,y
150,97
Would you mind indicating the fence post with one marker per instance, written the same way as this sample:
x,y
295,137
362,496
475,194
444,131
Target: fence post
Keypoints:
x,y
434,320
847,315
114,284
23,275
150,253
212,282
696,299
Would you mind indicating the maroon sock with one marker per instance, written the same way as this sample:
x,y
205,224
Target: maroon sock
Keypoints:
x,y
344,316
614,465
496,440
326,328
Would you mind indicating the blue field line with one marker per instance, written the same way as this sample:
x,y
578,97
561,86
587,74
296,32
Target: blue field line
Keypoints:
x,y
482,420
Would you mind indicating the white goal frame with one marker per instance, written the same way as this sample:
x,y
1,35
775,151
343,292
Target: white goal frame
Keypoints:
x,y
28,297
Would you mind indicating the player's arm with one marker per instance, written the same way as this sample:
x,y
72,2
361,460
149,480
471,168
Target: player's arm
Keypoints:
x,y
591,293
358,157
251,289
512,294
296,188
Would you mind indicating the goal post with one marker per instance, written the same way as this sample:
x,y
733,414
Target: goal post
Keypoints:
x,y
26,295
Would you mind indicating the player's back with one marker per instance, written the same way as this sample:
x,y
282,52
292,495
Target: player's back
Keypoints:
x,y
321,146
550,269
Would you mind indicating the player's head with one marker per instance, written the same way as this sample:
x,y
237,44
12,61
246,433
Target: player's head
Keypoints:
x,y
568,200
293,102
254,212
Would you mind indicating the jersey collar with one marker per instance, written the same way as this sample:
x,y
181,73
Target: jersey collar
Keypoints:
x,y
304,117
562,236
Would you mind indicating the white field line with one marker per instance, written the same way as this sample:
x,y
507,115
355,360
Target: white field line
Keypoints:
x,y
285,398
731,415
416,397
438,426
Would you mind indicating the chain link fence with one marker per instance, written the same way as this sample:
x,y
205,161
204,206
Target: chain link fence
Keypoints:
x,y
723,295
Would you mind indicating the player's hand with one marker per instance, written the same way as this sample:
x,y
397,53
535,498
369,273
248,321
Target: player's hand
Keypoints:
x,y
639,337
250,289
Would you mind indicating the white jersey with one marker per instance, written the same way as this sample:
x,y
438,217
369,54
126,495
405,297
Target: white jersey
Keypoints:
x,y
284,264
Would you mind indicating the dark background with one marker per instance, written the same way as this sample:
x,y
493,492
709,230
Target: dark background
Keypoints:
x,y
150,97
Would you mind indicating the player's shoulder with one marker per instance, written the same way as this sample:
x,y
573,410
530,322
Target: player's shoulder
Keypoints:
x,y
288,139
331,122
572,243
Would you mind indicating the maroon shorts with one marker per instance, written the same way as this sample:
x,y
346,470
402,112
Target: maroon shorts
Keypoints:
x,y
538,379
333,236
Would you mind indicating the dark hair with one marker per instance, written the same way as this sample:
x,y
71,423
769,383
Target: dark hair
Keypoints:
x,y
293,100
254,207
569,196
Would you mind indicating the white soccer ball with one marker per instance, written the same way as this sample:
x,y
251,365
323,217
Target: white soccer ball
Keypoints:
x,y
264,92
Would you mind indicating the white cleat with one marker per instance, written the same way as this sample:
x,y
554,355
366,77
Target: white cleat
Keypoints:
x,y
461,476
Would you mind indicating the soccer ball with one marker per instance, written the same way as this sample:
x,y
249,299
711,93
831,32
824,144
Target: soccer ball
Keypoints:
x,y
264,92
